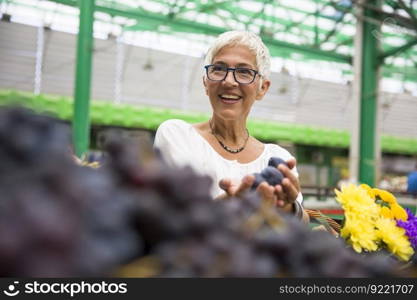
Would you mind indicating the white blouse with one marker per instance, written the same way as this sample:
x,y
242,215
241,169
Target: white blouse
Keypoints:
x,y
180,144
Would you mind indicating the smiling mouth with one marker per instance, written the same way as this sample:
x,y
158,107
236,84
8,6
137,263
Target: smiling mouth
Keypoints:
x,y
229,99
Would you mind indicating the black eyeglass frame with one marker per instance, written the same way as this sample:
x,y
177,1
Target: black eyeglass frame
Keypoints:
x,y
234,74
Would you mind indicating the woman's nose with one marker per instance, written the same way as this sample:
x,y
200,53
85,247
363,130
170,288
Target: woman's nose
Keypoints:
x,y
230,79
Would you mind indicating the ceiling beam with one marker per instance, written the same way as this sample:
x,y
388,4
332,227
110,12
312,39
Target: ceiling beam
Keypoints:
x,y
140,15
409,11
397,50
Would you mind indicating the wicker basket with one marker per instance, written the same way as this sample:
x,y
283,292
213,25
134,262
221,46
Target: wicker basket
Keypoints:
x,y
328,223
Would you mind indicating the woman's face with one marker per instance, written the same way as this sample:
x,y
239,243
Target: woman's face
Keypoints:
x,y
229,99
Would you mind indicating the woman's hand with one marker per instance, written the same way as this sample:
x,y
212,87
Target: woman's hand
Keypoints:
x,y
289,188
235,188
283,195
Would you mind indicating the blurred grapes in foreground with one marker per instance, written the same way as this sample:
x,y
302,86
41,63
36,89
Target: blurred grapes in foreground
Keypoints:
x,y
134,216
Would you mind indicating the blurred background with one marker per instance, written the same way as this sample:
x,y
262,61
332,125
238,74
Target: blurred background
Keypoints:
x,y
343,97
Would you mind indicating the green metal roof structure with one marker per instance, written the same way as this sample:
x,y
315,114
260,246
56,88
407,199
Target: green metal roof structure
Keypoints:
x,y
129,116
299,30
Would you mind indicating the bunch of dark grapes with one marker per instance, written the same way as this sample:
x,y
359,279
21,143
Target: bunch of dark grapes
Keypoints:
x,y
60,219
293,251
171,203
191,235
305,253
57,218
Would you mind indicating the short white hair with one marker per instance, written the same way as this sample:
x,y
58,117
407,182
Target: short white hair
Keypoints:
x,y
243,38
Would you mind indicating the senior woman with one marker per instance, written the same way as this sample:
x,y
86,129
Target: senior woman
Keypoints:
x,y
237,68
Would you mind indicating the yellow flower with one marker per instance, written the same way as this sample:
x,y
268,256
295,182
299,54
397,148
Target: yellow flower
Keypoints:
x,y
386,212
394,237
360,214
369,190
385,196
394,210
369,226
398,212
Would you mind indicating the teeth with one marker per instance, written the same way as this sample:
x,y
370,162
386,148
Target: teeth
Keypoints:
x,y
234,97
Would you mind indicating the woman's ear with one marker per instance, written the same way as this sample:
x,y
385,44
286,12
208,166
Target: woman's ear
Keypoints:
x,y
205,85
263,89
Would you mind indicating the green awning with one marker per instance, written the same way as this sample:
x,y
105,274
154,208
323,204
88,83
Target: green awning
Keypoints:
x,y
145,117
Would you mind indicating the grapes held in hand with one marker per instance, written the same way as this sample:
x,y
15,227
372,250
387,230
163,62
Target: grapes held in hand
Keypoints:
x,y
276,161
270,174
258,180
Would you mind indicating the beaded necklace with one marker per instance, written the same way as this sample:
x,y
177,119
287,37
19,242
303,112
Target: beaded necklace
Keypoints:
x,y
230,150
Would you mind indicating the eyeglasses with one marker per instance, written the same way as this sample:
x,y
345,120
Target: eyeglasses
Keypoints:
x,y
241,75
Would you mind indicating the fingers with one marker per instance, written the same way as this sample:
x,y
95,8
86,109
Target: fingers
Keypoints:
x,y
245,185
285,199
266,192
290,190
289,175
291,163
280,194
236,189
225,184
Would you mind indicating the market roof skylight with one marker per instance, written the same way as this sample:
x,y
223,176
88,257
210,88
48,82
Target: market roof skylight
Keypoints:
x,y
314,30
